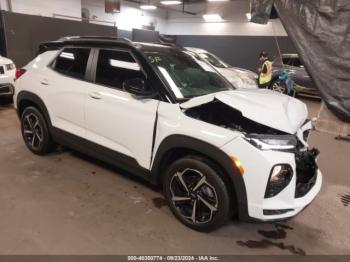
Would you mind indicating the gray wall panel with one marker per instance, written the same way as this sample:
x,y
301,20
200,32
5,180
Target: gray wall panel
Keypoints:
x,y
23,33
240,51
124,34
149,36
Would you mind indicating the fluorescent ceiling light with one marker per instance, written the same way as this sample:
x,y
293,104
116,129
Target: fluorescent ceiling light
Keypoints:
x,y
212,17
249,16
218,0
148,7
67,55
170,2
123,64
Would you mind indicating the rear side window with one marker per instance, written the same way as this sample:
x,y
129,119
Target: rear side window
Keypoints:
x,y
114,67
287,61
72,62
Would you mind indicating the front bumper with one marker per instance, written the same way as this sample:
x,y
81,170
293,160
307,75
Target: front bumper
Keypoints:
x,y
257,165
291,207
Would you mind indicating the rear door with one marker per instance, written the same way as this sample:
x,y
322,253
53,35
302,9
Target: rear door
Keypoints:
x,y
116,119
66,86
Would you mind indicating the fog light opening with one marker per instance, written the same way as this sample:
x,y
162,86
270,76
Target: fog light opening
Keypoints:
x,y
279,179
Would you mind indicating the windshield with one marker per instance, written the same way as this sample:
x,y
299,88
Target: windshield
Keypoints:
x,y
187,75
213,60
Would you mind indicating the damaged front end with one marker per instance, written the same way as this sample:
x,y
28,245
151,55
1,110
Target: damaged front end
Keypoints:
x,y
259,135
269,121
266,138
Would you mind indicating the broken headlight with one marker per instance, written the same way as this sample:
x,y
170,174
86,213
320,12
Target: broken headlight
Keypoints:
x,y
273,142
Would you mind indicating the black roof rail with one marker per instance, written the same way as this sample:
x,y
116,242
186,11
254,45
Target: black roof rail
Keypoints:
x,y
167,44
79,40
72,38
90,37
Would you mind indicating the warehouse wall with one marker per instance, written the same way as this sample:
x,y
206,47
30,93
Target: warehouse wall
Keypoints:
x,y
240,51
130,17
235,21
44,7
235,39
21,36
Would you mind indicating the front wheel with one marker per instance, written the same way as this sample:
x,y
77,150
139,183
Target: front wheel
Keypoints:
x,y
196,194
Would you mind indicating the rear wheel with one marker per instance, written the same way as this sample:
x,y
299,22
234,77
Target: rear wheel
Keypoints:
x,y
196,194
35,131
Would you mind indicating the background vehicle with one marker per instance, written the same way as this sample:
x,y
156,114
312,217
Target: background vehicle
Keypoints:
x,y
172,119
7,76
239,77
296,71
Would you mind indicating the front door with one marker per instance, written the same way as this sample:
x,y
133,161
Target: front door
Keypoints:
x,y
116,119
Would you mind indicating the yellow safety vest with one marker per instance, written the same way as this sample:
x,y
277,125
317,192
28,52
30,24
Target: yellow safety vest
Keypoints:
x,y
266,77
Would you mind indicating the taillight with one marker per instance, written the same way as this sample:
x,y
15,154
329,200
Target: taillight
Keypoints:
x,y
19,73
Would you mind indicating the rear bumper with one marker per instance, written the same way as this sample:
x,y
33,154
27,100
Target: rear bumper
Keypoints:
x,y
6,90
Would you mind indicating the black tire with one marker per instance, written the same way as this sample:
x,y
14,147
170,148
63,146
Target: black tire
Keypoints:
x,y
278,86
214,191
35,131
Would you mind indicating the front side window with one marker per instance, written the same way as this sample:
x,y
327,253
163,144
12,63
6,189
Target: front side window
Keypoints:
x,y
187,74
72,62
114,67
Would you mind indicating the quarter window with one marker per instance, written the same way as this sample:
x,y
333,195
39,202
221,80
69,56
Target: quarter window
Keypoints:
x,y
72,62
114,67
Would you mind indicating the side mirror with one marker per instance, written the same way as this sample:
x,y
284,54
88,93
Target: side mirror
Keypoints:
x,y
138,87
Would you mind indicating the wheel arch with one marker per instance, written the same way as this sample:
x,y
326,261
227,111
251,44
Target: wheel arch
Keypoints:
x,y
26,98
177,146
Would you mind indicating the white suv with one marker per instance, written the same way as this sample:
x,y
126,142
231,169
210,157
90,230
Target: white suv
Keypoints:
x,y
166,115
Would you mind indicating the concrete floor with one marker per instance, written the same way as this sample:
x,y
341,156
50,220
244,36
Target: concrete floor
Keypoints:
x,y
66,203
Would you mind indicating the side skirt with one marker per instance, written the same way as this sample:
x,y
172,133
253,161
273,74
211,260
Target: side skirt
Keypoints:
x,y
104,154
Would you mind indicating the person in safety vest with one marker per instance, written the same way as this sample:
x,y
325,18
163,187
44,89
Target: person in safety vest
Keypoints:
x,y
265,75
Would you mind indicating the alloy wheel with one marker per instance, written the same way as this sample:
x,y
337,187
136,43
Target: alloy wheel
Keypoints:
x,y
193,196
33,131
279,87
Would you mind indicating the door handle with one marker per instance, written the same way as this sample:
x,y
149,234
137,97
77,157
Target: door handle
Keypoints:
x,y
44,82
95,95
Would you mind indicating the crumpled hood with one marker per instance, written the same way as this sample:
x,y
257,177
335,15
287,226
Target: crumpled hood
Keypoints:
x,y
266,107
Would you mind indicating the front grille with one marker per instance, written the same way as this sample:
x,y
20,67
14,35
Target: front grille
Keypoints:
x,y
271,212
306,171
